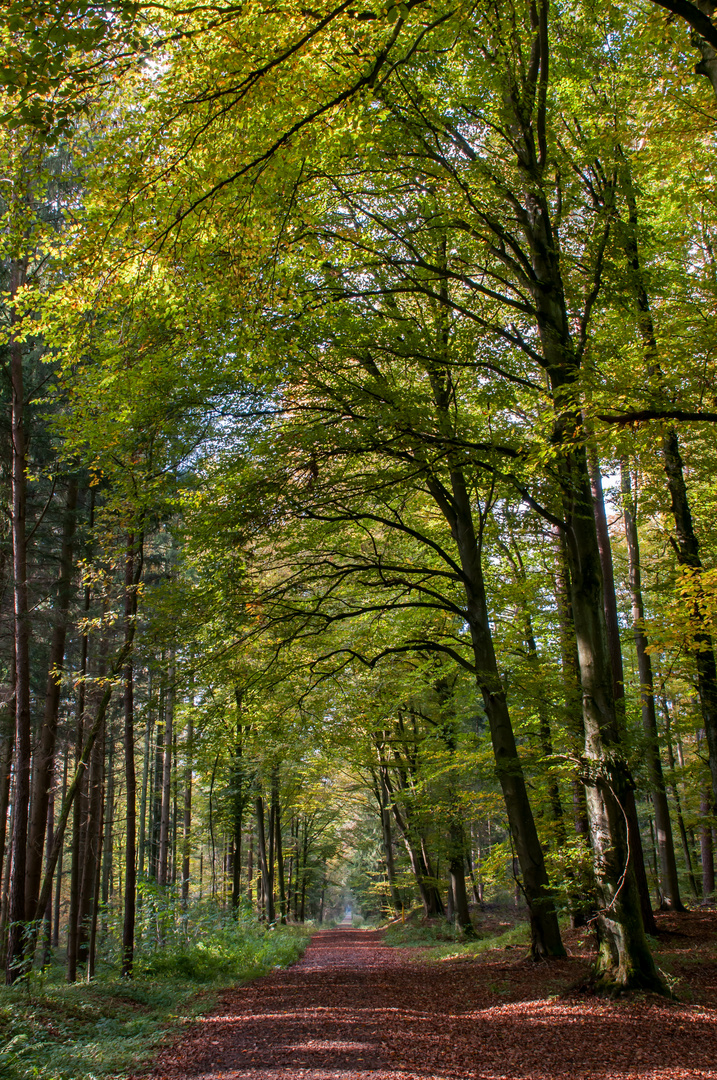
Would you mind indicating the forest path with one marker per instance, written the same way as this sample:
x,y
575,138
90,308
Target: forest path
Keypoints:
x,y
355,1009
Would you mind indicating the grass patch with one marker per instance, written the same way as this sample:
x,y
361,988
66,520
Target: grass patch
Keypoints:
x,y
440,941
104,1030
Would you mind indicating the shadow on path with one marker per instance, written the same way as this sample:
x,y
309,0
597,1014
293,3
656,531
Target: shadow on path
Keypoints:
x,y
355,1009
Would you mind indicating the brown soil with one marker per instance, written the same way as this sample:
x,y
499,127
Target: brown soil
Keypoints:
x,y
355,1009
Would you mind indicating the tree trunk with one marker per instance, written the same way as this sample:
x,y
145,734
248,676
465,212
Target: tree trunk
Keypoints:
x,y
384,806
6,748
238,801
706,846
264,860
130,866
279,846
146,778
58,887
457,874
687,548
108,851
45,754
669,882
545,932
93,838
685,542
17,909
187,824
166,791
95,908
637,856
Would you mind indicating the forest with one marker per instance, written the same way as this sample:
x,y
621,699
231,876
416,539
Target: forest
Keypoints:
x,y
359,530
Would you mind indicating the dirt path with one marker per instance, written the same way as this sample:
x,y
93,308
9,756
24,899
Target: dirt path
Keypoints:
x,y
354,1009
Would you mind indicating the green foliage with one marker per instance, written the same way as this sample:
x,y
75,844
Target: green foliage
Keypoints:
x,y
52,1031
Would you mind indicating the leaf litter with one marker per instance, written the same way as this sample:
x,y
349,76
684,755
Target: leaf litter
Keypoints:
x,y
356,1009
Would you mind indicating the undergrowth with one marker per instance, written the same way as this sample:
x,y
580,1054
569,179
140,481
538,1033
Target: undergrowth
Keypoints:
x,y
444,942
103,1030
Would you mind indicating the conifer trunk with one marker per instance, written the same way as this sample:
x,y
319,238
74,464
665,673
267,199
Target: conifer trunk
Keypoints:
x,y
44,759
17,910
130,866
187,821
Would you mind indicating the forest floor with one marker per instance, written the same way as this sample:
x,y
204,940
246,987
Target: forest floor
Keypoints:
x,y
356,1008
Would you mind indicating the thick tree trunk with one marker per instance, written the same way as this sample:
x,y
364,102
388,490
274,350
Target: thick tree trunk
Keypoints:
x,y
45,754
624,959
17,908
457,874
668,867
637,856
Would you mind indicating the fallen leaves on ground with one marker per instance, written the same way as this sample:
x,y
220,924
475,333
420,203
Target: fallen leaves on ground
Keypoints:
x,y
355,1009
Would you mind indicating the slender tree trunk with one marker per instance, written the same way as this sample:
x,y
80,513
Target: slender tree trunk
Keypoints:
x,y
264,860
304,868
94,913
669,882
279,846
571,677
92,847
384,806
706,846
685,541
162,870
146,778
130,866
238,801
544,732
58,887
80,809
427,889
676,797
688,555
17,908
45,755
84,757
187,824
47,915
6,748
108,850
157,776
545,932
